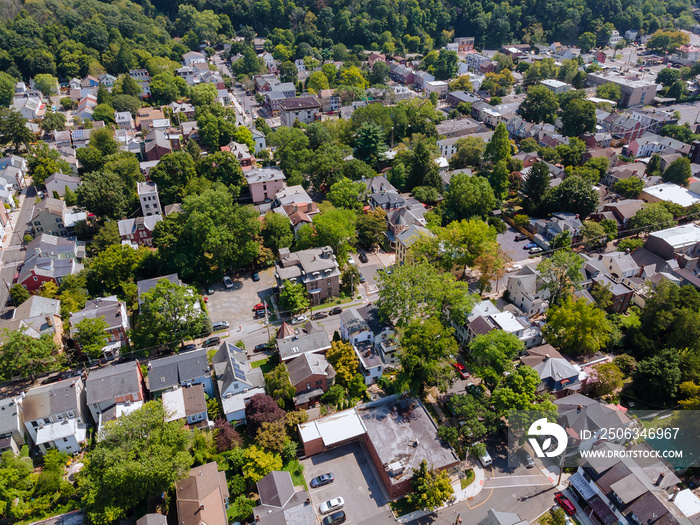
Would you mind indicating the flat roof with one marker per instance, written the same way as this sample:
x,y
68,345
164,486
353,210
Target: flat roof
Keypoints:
x,y
673,193
333,429
679,236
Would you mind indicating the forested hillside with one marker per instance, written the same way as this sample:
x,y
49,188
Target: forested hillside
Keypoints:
x,y
70,38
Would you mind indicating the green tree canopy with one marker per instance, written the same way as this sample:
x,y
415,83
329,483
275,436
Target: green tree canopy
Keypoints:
x,y
22,355
493,355
293,298
561,274
468,197
431,488
91,336
576,327
540,105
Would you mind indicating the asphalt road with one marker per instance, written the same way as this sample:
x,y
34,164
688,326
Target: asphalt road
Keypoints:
x,y
14,253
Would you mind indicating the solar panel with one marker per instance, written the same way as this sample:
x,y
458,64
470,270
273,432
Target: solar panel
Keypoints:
x,y
240,375
236,367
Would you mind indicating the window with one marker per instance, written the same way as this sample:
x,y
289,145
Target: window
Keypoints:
x,y
65,440
35,278
58,220
37,223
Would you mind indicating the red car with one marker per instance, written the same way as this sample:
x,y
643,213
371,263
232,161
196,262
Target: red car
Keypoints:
x,y
461,370
565,504
259,306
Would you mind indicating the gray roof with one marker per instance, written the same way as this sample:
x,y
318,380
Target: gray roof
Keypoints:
x,y
152,519
54,245
264,175
55,398
146,285
37,306
231,364
495,517
455,125
412,234
294,346
9,420
304,262
353,321
307,365
583,413
129,226
113,381
176,369
382,198
379,183
108,308
276,489
291,104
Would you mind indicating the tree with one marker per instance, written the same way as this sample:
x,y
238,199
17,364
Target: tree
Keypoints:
x,y
540,105
586,41
126,103
276,231
651,217
605,378
459,244
427,345
90,334
7,89
13,128
493,355
352,76
536,185
46,84
334,227
498,148
677,90
19,294
293,298
170,313
678,172
115,265
125,85
668,76
288,71
103,112
53,121
259,463
334,395
369,143
165,88
498,179
609,91
138,457
346,194
461,83
578,117
272,437
104,194
203,94
261,408
171,174
223,167
576,327
278,385
518,391
656,380
344,361
575,195
561,274
370,227
317,82
468,197
469,152
431,488
226,436
594,235
22,355
629,188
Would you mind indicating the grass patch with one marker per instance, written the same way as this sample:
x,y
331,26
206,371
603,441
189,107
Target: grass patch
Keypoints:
x,y
402,506
266,364
296,470
464,483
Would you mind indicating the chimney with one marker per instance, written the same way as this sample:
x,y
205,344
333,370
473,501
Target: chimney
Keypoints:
x,y
49,320
579,408
660,479
201,508
675,493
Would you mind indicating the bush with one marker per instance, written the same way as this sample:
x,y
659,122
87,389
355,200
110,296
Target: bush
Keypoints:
x,y
521,220
630,244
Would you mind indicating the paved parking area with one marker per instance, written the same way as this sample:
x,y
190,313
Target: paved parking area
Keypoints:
x,y
355,481
235,305
375,262
510,247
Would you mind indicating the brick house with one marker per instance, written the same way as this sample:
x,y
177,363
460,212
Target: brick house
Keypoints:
x,y
311,376
139,231
315,268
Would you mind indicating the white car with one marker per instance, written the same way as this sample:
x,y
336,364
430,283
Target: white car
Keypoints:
x,y
299,319
228,282
351,260
331,505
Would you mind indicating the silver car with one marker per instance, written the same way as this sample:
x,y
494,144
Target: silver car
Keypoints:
x,y
331,505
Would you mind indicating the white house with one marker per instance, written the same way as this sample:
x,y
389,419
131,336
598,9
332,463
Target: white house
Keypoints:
x,y
237,381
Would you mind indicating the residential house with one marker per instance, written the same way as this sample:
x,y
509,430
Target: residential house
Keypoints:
x,y
623,210
143,78
525,291
669,192
465,44
264,183
11,424
114,313
291,195
237,381
304,109
486,317
52,216
202,497
586,419
146,116
55,415
557,375
194,57
311,375
155,145
421,79
37,316
457,127
183,110
315,268
401,219
113,391
298,214
124,120
13,170
386,200
651,143
353,327
86,107
41,268
187,403
455,98
556,86
374,57
107,80
139,230
186,369
614,272
477,62
146,285
495,517
557,224
31,108
329,101
406,239
308,339
148,197
402,74
57,183
670,243
242,154
259,139
280,503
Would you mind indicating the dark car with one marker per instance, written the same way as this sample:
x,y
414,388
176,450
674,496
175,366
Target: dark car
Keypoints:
x,y
262,347
363,257
212,341
335,311
320,315
256,277
520,237
362,278
187,348
335,518
323,479
259,314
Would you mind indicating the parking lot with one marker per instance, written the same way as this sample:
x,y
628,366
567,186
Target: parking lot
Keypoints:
x,y
511,247
235,305
369,270
355,481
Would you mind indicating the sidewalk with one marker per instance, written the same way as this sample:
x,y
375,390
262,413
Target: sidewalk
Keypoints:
x,y
475,486
12,225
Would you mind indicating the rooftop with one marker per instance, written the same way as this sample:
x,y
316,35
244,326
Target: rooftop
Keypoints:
x,y
679,236
258,175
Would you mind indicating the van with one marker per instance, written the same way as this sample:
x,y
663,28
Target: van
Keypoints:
x,y
485,460
219,325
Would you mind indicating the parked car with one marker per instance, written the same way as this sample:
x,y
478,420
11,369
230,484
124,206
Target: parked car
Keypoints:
x,y
335,311
331,505
323,479
485,459
259,306
228,282
565,504
527,458
351,260
320,315
536,249
188,347
335,519
256,277
362,278
363,257
212,341
299,319
529,245
461,370
210,290
259,314
520,237
262,347
220,325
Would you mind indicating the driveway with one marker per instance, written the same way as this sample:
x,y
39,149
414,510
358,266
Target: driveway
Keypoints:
x,y
375,262
235,305
510,247
355,481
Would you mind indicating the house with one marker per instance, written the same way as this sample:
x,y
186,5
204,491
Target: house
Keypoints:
x,y
557,375
259,139
186,369
298,214
669,192
186,403
315,268
148,197
310,339
138,231
114,391
11,424
41,268
146,285
525,292
455,98
374,57
329,101
155,145
398,434
37,316
650,143
402,74
242,154
421,78
52,216
146,116
114,313
635,92
202,497
557,224
55,415
386,200
406,239
193,57
237,381
86,106
457,127
486,317
13,170
669,243
59,247
556,86
439,87
304,109
354,328
280,503
623,210
586,419
31,108
124,120
403,218
264,183
311,375
57,183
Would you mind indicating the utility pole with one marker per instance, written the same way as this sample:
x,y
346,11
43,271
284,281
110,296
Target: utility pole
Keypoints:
x,y
267,321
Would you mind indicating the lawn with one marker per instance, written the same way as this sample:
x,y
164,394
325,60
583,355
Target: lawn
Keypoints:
x,y
402,507
464,483
296,469
266,364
